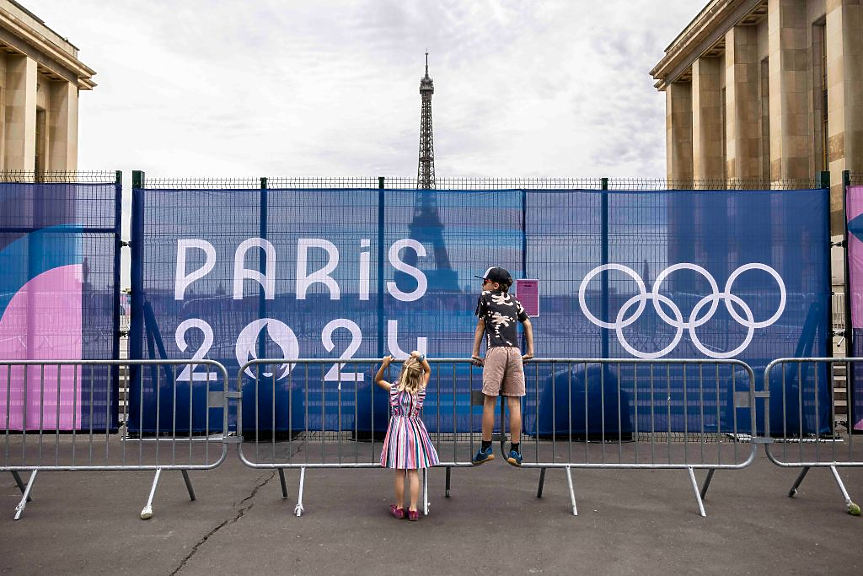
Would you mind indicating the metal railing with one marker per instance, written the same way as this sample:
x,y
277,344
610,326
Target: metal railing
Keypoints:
x,y
315,420
61,415
640,414
807,436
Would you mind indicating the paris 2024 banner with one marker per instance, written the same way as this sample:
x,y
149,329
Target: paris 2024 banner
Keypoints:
x,y
234,275
854,207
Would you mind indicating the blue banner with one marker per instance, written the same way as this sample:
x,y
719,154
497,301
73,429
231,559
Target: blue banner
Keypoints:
x,y
233,275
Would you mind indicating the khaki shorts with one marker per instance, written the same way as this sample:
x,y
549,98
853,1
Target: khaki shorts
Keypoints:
x,y
503,372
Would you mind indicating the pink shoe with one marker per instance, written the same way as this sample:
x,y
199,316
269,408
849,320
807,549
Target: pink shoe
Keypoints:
x,y
397,512
413,515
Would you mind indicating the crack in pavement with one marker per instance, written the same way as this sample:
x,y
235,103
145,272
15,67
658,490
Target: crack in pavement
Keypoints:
x,y
240,513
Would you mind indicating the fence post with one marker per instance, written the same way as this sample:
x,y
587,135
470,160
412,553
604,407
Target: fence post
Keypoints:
x,y
136,326
118,246
381,214
604,276
262,266
822,182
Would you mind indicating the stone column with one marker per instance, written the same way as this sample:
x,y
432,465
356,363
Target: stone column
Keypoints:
x,y
678,137
844,46
63,127
791,146
20,133
707,157
743,104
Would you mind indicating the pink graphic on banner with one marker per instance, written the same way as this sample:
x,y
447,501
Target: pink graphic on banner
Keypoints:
x,y
854,207
43,321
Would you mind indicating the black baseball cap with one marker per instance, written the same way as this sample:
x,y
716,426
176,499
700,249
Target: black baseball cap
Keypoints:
x,y
497,274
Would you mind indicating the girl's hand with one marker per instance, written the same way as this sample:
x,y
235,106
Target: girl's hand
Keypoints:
x,y
387,360
415,354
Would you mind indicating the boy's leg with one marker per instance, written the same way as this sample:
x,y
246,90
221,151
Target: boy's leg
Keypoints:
x,y
415,488
514,405
488,404
400,488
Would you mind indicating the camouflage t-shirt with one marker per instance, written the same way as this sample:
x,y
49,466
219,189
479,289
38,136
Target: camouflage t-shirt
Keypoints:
x,y
501,312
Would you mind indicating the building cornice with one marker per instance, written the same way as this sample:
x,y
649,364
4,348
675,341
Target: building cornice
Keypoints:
x,y
705,30
23,38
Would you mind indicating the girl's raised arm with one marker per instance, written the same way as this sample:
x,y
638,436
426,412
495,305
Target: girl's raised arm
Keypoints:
x,y
424,363
379,377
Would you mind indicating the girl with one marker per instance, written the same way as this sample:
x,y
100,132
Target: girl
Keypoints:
x,y
407,446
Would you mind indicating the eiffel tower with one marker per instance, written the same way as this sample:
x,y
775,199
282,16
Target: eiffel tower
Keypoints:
x,y
426,226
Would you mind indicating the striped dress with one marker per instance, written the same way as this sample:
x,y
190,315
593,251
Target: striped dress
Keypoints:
x,y
407,444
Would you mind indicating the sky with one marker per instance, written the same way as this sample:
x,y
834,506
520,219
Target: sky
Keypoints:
x,y
331,87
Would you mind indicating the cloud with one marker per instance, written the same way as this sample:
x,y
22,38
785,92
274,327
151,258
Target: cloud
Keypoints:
x,y
553,88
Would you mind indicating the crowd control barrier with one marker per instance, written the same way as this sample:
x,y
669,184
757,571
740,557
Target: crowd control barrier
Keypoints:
x,y
66,415
315,413
638,414
807,437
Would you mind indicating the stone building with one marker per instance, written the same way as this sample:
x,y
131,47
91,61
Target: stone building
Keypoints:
x,y
766,90
40,79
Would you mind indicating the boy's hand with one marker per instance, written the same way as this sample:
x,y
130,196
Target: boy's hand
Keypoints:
x,y
526,357
476,360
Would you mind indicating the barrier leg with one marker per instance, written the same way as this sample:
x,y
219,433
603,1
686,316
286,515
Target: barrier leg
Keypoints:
x,y
541,483
298,509
189,488
852,508
448,475
793,492
147,512
19,483
707,482
425,492
695,489
571,491
20,507
284,485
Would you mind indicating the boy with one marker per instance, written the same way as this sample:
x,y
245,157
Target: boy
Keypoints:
x,y
503,371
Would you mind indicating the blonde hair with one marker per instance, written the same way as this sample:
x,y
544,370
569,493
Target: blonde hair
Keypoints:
x,y
411,377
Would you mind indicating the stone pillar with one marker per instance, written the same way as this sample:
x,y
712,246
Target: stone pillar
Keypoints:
x,y
63,127
791,146
20,132
678,137
707,157
743,104
844,46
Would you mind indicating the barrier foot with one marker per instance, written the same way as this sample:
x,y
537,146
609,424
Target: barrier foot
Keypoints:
x,y
425,492
20,507
284,485
298,509
793,492
448,475
571,491
189,488
19,483
695,489
147,512
852,508
707,482
541,483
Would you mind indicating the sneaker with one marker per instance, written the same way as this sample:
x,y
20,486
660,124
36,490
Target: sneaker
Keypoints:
x,y
397,512
413,515
515,458
483,456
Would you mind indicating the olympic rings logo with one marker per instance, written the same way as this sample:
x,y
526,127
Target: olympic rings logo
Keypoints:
x,y
678,322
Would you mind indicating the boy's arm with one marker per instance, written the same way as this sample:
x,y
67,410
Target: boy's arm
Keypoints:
x,y
379,377
477,341
528,339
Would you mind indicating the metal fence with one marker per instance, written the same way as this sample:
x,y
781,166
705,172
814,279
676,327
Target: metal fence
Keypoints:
x,y
807,437
63,420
